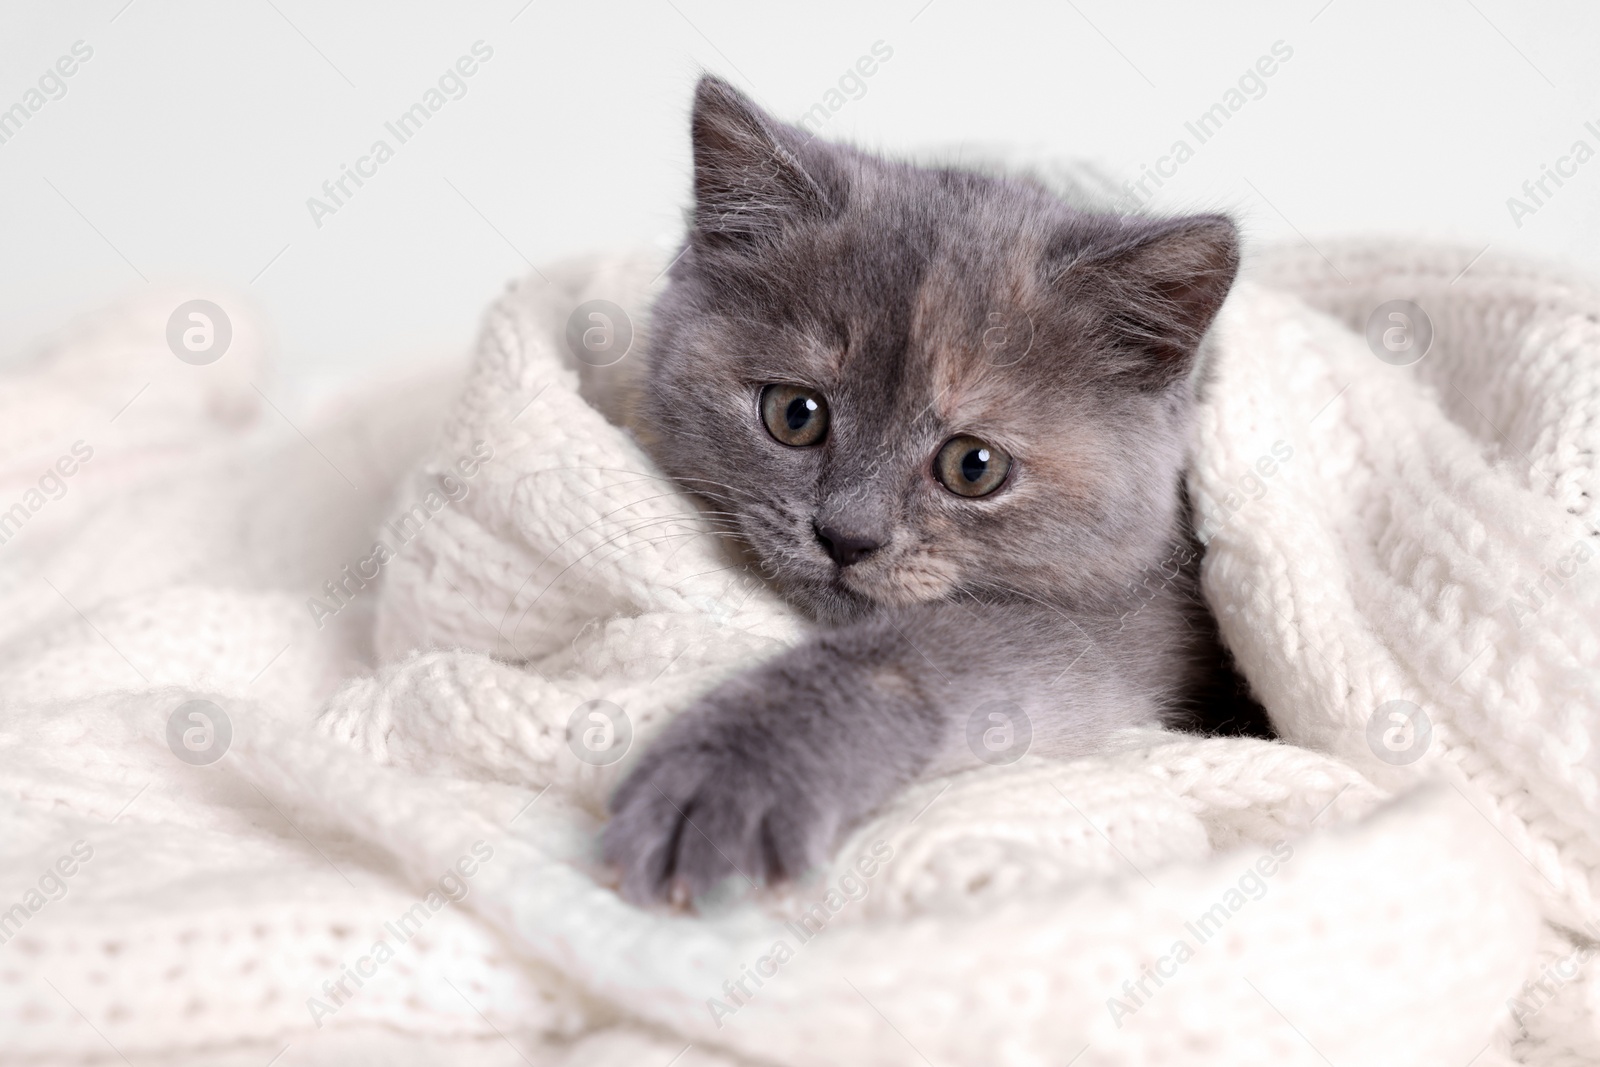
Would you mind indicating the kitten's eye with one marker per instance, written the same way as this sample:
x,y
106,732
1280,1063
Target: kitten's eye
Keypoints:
x,y
794,415
969,467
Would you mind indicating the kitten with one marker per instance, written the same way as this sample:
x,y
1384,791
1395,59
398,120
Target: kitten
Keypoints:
x,y
984,522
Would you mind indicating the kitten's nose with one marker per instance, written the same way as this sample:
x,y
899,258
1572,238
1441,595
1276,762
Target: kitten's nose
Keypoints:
x,y
846,548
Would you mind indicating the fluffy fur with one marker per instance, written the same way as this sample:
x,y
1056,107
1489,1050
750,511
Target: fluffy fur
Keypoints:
x,y
923,304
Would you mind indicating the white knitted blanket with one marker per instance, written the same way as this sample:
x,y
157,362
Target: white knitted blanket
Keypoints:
x,y
390,853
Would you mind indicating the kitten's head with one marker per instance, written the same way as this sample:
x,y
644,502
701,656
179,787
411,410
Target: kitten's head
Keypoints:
x,y
900,384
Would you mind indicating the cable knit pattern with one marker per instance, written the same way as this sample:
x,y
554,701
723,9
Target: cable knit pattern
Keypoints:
x,y
1329,906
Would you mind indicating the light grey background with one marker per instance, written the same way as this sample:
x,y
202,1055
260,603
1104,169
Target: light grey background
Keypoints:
x,y
185,150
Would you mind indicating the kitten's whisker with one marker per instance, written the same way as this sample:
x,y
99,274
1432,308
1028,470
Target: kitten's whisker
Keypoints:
x,y
638,475
596,548
596,522
1156,699
624,550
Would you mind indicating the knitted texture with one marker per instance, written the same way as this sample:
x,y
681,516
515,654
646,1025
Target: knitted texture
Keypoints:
x,y
1328,905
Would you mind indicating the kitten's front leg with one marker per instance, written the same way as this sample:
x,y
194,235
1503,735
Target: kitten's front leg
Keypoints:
x,y
763,773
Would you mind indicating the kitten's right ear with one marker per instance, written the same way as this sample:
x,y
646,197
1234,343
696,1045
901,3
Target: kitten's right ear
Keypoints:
x,y
1159,283
748,182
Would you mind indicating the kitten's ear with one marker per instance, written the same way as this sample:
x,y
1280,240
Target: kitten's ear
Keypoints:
x,y
748,179
1160,288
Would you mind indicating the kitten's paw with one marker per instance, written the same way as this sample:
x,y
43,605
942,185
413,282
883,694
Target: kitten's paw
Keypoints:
x,y
717,795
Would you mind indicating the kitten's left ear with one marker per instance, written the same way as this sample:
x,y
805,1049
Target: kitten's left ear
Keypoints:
x,y
1160,287
749,179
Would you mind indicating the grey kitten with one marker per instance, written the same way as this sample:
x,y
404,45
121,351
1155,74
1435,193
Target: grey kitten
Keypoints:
x,y
949,416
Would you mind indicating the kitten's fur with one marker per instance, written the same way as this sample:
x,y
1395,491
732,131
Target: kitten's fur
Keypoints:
x,y
874,282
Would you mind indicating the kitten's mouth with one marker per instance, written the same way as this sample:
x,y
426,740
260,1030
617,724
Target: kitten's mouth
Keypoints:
x,y
906,578
895,575
895,579
826,592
